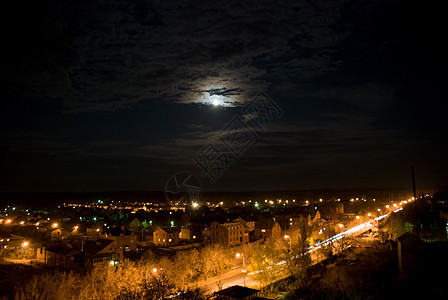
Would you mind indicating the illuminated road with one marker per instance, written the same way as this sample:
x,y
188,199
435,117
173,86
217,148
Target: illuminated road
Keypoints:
x,y
237,277
234,277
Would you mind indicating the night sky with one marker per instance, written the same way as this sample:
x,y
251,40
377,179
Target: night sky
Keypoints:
x,y
120,95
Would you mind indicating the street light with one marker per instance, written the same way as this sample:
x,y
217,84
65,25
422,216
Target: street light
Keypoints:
x,y
238,255
289,242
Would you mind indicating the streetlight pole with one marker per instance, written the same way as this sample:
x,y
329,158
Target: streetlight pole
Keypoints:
x,y
238,255
289,242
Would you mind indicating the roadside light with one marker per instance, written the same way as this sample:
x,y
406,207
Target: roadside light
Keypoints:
x,y
379,209
25,244
154,270
357,217
195,205
54,225
369,214
286,236
76,227
341,225
387,206
8,221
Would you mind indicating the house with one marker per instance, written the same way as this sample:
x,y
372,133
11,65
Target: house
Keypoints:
x,y
10,241
87,255
124,238
166,237
228,234
248,224
237,292
266,228
100,253
185,234
58,234
12,245
192,233
60,256
136,226
411,251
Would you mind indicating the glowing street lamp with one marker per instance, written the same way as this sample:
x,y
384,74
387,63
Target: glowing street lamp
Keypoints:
x,y
241,255
54,225
25,244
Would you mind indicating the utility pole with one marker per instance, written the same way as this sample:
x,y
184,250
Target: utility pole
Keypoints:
x,y
415,203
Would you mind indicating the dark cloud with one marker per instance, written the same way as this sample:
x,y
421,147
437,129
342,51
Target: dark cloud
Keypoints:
x,y
105,55
359,85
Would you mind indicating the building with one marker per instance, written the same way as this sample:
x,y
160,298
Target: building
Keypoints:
x,y
228,234
100,253
248,224
266,228
166,237
124,238
135,226
237,292
87,255
60,256
58,234
411,250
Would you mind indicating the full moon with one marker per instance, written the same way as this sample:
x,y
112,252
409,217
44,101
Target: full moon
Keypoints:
x,y
216,100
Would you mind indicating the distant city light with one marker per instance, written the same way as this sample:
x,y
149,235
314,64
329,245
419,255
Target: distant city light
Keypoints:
x,y
54,225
